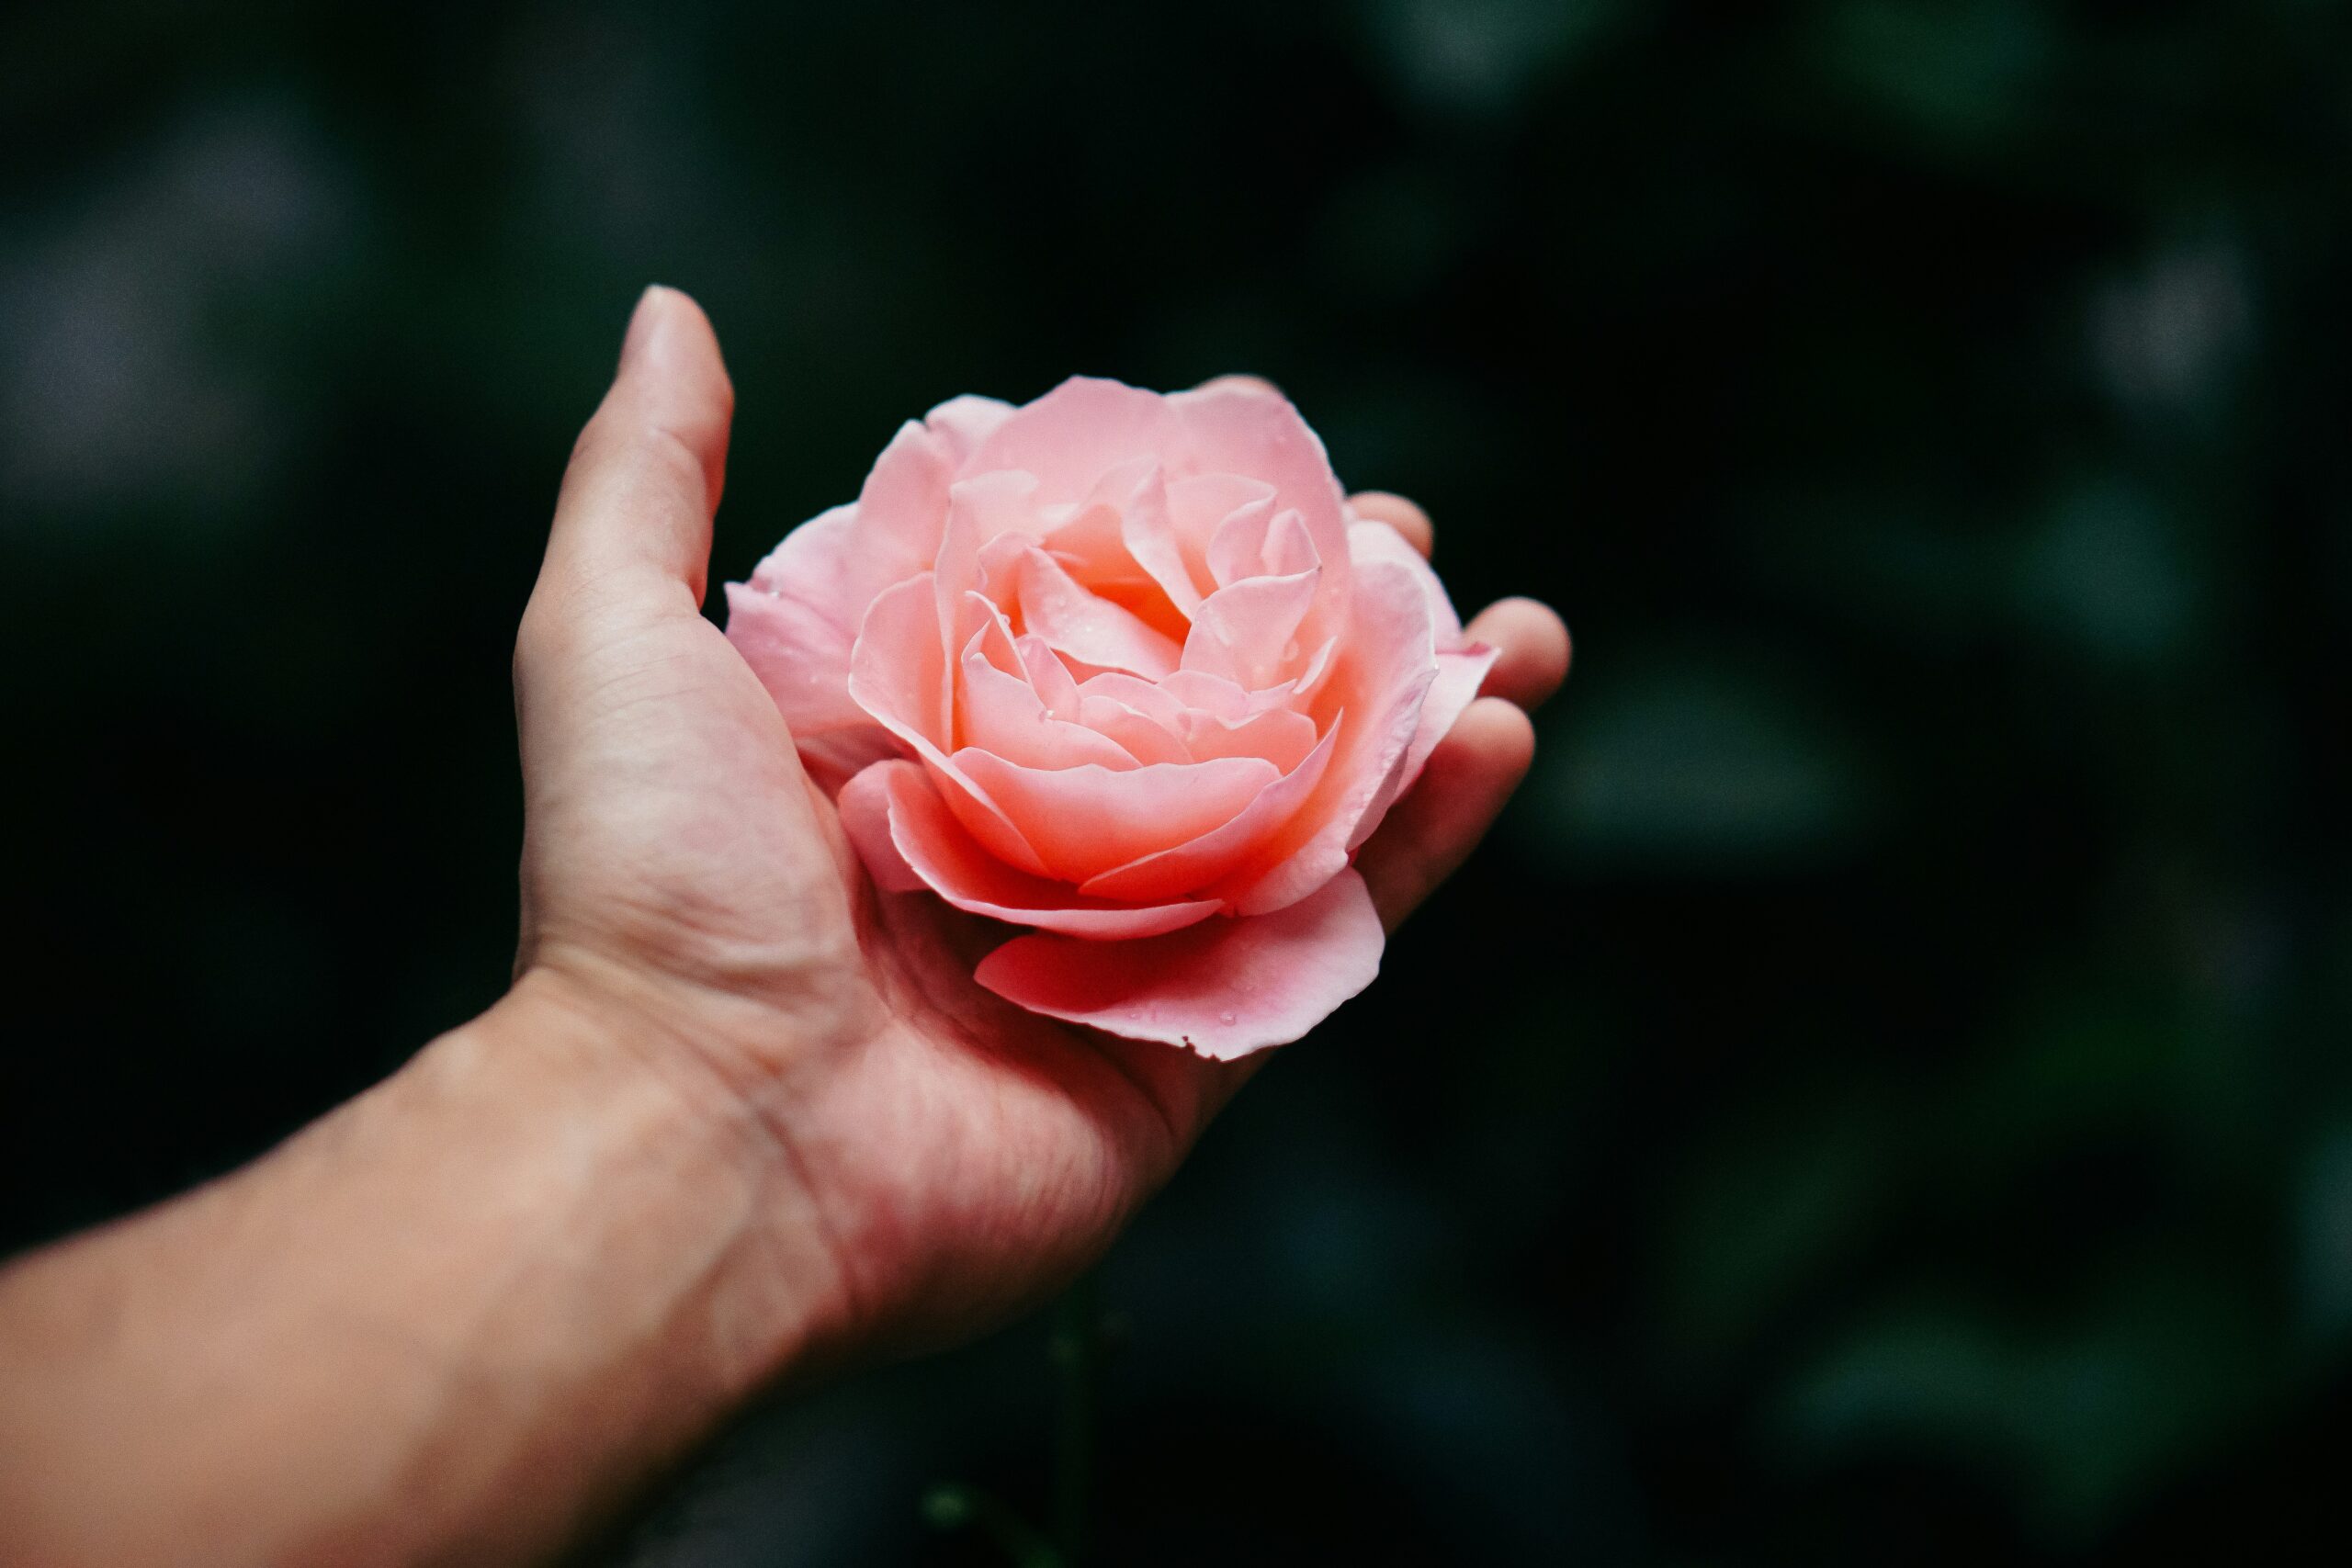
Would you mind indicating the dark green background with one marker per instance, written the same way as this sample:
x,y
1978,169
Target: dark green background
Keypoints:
x,y
1882,1094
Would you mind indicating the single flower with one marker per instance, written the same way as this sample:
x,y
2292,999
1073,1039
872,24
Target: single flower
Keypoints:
x,y
1122,668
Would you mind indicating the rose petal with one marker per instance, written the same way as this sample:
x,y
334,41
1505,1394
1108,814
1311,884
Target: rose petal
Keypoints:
x,y
903,499
896,665
1149,538
1002,713
1234,430
1210,694
864,806
800,655
1298,694
1088,628
896,674
1288,547
1259,542
955,587
1458,676
997,505
1319,665
1138,735
1237,548
1085,820
1209,859
1201,505
1248,632
1116,543
1460,667
1056,687
1378,541
961,423
797,624
1223,987
797,619
1237,431
1146,697
1076,432
908,839
1380,680
834,758
1277,734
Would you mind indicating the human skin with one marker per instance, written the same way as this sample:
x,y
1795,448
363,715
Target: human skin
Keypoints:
x,y
718,1136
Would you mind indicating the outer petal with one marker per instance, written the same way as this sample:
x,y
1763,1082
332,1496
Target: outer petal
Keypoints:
x,y
908,839
1223,987
795,622
836,758
994,506
864,806
800,655
1078,432
1378,541
961,423
1458,678
1460,666
1379,684
902,502
798,619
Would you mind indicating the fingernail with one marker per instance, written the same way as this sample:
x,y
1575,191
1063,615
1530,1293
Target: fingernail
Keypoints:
x,y
644,325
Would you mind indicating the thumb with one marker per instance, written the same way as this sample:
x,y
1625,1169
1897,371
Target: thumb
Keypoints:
x,y
644,478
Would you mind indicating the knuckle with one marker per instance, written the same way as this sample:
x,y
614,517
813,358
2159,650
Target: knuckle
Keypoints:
x,y
667,451
633,448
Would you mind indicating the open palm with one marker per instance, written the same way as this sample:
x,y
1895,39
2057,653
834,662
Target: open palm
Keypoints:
x,y
956,1155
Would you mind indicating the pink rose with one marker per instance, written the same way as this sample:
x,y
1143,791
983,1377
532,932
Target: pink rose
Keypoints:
x,y
1124,670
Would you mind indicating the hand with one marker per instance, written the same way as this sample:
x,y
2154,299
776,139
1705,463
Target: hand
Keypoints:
x,y
716,1134
941,1158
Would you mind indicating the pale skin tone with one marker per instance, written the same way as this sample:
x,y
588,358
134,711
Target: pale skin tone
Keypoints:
x,y
715,1138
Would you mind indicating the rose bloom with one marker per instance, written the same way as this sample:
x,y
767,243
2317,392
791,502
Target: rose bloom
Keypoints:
x,y
1124,670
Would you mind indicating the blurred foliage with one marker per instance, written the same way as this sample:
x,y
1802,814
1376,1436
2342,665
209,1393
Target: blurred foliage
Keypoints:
x,y
1883,1098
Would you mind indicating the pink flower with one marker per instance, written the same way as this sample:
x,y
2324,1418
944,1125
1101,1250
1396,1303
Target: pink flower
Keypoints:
x,y
1124,670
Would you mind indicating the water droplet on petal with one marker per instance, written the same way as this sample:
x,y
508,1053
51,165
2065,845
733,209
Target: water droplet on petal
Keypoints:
x,y
1224,1018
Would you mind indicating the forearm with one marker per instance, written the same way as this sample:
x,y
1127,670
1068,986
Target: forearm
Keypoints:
x,y
449,1322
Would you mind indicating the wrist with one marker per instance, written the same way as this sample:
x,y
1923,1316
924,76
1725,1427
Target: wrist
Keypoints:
x,y
604,1035
680,1157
